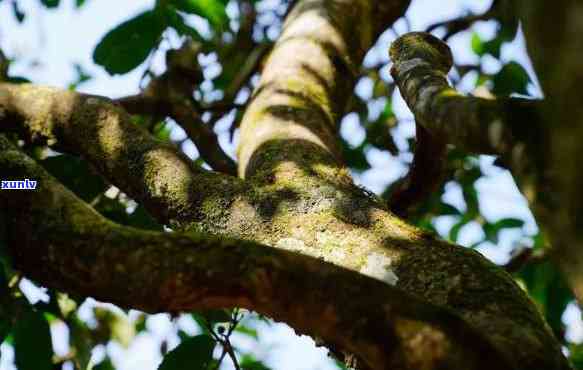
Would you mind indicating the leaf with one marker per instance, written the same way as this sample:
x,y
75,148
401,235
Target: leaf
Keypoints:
x,y
141,219
446,209
18,14
129,44
113,210
247,331
33,348
248,362
477,44
213,10
193,353
355,157
176,21
550,292
455,229
76,175
493,229
106,364
79,3
50,3
512,78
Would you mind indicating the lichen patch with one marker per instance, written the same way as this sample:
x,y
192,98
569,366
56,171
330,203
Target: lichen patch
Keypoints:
x,y
378,266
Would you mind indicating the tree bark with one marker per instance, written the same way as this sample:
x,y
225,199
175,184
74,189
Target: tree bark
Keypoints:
x,y
551,30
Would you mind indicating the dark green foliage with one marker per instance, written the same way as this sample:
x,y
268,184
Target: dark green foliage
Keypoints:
x,y
512,78
32,342
192,353
213,10
104,365
50,3
18,14
129,44
548,289
355,158
248,362
76,175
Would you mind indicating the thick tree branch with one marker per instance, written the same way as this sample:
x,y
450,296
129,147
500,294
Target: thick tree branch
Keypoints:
x,y
551,30
65,244
477,125
307,81
509,127
151,172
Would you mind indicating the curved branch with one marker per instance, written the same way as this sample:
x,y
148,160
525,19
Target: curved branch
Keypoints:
x,y
509,127
152,172
457,25
61,242
187,117
477,125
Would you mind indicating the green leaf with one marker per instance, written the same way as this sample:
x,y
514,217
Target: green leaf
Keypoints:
x,y
104,365
250,332
455,229
79,3
355,157
176,21
493,229
248,362
113,209
33,348
213,10
512,78
550,292
50,3
193,353
477,44
141,219
129,44
576,356
76,175
446,209
18,14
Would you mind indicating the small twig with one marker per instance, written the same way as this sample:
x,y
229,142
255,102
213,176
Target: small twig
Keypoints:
x,y
185,115
525,256
456,25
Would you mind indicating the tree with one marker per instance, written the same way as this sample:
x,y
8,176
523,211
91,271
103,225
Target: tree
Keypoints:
x,y
284,230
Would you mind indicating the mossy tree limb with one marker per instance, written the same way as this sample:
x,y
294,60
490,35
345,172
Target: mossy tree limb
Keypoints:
x,y
59,240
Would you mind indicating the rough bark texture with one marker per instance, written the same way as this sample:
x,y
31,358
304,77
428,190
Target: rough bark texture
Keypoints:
x,y
79,251
552,30
297,196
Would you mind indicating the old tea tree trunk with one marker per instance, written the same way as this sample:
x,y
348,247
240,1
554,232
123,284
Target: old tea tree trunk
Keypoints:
x,y
292,237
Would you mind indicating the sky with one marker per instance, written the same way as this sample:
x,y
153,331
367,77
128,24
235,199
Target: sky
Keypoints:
x,y
50,42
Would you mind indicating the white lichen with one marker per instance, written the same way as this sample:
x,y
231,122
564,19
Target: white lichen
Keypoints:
x,y
296,245
378,266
